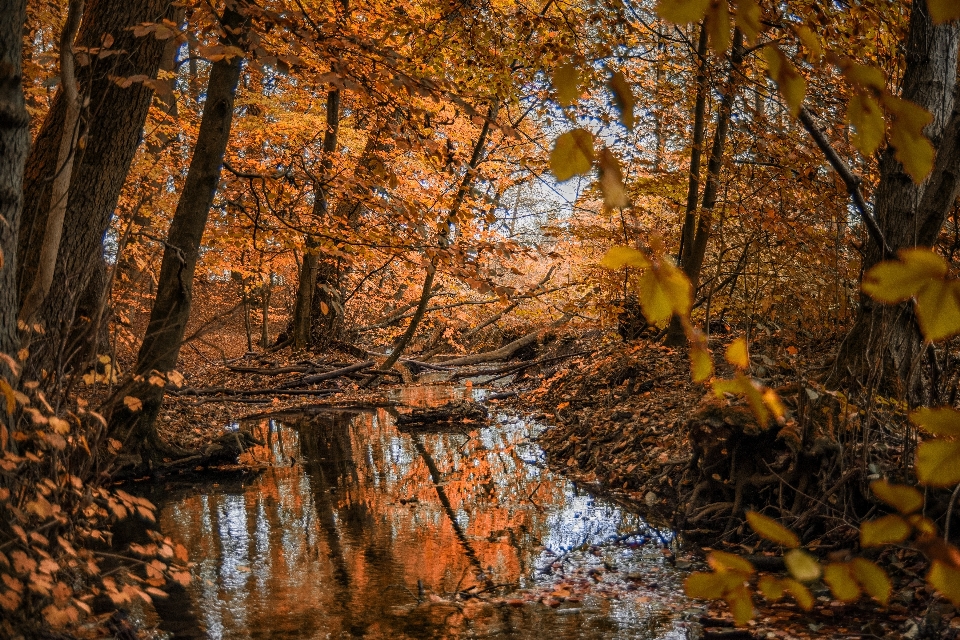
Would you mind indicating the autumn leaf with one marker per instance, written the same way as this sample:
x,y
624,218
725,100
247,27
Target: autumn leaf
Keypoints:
x,y
748,19
801,565
943,10
772,530
718,26
623,98
619,257
566,82
792,85
737,354
682,11
611,181
701,363
890,529
865,115
942,421
874,580
664,291
946,580
938,463
913,149
572,154
132,404
839,578
901,497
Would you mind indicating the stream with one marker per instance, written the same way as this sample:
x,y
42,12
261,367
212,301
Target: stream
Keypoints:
x,y
360,530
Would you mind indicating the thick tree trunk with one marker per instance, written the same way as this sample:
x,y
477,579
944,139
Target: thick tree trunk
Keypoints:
x,y
14,146
884,347
111,128
171,308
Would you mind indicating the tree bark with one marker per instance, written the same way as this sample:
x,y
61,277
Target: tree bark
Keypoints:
x,y
884,346
171,308
111,128
309,286
14,146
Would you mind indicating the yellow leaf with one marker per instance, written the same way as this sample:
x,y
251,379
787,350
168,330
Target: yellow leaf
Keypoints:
x,y
748,19
623,98
903,498
938,309
942,421
865,115
873,579
802,565
923,526
800,593
943,10
611,181
841,582
619,257
718,26
723,561
59,425
792,85
891,529
770,587
913,149
572,154
707,586
566,81
946,580
662,292
742,385
811,42
176,379
741,605
772,530
701,364
863,76
133,404
737,354
898,280
938,463
682,11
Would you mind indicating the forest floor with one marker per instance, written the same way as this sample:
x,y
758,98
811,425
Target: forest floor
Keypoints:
x,y
623,423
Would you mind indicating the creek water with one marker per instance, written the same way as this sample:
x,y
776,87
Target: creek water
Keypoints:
x,y
360,530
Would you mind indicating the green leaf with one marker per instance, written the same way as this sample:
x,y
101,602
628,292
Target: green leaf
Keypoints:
x,y
865,115
873,579
943,10
792,85
938,463
891,529
619,257
946,580
839,578
566,81
801,565
682,11
623,98
772,530
942,421
572,154
903,498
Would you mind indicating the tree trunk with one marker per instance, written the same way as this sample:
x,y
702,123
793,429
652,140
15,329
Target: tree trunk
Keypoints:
x,y
884,346
14,146
111,128
171,308
309,286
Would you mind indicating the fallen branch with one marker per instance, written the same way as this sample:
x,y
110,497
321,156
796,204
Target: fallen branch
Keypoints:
x,y
504,371
505,351
329,375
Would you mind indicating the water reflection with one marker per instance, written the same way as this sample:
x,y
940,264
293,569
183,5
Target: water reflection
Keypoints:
x,y
358,530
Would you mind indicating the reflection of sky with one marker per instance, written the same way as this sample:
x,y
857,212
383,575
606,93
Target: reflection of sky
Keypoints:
x,y
288,555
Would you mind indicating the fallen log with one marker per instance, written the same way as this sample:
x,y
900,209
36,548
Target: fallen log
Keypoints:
x,y
329,375
442,418
500,372
213,391
507,350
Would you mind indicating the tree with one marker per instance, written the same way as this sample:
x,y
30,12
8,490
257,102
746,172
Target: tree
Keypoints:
x,y
14,145
112,123
133,421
